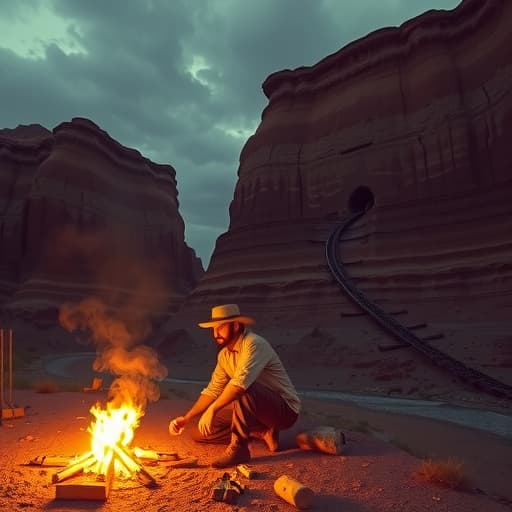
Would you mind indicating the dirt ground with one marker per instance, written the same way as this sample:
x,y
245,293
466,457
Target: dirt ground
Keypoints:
x,y
371,475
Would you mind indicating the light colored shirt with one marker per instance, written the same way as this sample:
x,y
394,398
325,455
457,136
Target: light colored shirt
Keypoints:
x,y
252,359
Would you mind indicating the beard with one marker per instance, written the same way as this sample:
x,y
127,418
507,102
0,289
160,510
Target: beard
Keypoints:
x,y
222,342
230,337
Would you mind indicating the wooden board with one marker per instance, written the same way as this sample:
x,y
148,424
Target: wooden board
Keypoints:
x,y
82,488
13,412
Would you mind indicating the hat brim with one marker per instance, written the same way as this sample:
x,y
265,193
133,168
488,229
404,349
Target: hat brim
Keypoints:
x,y
246,320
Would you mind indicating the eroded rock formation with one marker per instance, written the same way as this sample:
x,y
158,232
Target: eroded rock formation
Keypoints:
x,y
413,123
83,216
420,118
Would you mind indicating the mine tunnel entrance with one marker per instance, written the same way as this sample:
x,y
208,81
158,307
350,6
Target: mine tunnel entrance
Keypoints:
x,y
361,199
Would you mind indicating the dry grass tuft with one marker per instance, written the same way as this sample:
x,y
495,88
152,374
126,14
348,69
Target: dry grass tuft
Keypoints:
x,y
46,386
448,473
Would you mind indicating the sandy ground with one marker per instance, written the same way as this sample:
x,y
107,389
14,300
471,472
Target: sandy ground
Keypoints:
x,y
371,475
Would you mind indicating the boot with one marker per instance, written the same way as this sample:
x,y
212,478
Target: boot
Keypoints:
x,y
236,453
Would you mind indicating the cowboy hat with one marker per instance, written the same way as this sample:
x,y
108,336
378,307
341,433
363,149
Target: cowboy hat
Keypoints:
x,y
226,313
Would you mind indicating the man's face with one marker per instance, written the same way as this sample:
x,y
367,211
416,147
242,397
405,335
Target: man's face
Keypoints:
x,y
225,333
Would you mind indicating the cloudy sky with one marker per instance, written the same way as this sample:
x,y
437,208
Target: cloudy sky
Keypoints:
x,y
179,80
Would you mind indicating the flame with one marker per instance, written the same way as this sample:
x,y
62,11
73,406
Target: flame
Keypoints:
x,y
113,426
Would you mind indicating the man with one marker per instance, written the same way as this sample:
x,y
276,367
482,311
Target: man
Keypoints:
x,y
249,394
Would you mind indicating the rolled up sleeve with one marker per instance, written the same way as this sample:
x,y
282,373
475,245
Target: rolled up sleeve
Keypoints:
x,y
217,383
253,358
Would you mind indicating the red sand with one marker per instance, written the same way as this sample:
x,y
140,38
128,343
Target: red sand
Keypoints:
x,y
372,475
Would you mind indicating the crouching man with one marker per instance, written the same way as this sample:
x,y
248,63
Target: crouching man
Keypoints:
x,y
249,394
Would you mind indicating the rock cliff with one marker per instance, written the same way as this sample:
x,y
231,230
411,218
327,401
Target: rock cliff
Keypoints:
x,y
81,216
413,124
414,121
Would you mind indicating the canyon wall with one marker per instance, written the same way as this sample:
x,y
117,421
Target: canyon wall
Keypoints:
x,y
81,215
413,123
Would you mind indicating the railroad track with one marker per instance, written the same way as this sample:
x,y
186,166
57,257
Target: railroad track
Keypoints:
x,y
476,378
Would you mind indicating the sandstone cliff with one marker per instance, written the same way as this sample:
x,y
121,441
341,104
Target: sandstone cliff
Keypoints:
x,y
83,216
414,124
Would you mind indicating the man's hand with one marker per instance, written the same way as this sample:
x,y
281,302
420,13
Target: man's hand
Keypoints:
x,y
205,424
177,425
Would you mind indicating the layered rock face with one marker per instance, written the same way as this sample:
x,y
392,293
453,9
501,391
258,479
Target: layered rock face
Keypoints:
x,y
83,216
415,124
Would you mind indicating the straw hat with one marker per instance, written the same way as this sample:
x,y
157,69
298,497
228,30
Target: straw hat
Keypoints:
x,y
226,313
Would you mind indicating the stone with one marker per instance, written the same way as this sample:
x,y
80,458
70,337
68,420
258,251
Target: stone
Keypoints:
x,y
81,215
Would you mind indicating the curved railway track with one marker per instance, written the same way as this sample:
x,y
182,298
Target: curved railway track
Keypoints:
x,y
478,379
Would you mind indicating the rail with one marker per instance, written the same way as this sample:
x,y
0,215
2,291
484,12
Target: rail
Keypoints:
x,y
478,379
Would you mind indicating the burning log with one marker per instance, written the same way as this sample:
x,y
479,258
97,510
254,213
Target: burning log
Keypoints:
x,y
152,455
122,454
80,465
97,489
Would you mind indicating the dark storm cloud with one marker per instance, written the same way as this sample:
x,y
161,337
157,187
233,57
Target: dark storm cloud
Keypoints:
x,y
177,79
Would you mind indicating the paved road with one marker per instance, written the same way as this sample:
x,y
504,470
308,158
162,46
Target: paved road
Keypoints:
x,y
490,421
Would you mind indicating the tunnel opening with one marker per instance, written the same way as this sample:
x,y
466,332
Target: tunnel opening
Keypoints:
x,y
361,200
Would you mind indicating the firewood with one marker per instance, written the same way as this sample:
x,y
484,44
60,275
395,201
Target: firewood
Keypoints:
x,y
123,454
89,490
294,492
50,461
146,454
246,471
80,465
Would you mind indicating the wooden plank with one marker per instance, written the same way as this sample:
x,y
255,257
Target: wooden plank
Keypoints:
x,y
91,490
13,412
87,487
51,461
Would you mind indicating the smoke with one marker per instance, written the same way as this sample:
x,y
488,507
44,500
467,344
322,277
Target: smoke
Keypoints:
x,y
129,288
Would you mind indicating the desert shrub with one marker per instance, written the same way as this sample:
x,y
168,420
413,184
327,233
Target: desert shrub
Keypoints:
x,y
448,473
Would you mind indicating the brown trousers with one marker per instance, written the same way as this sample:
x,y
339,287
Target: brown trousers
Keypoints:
x,y
257,410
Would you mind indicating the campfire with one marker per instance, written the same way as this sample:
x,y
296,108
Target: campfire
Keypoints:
x,y
117,334
111,455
